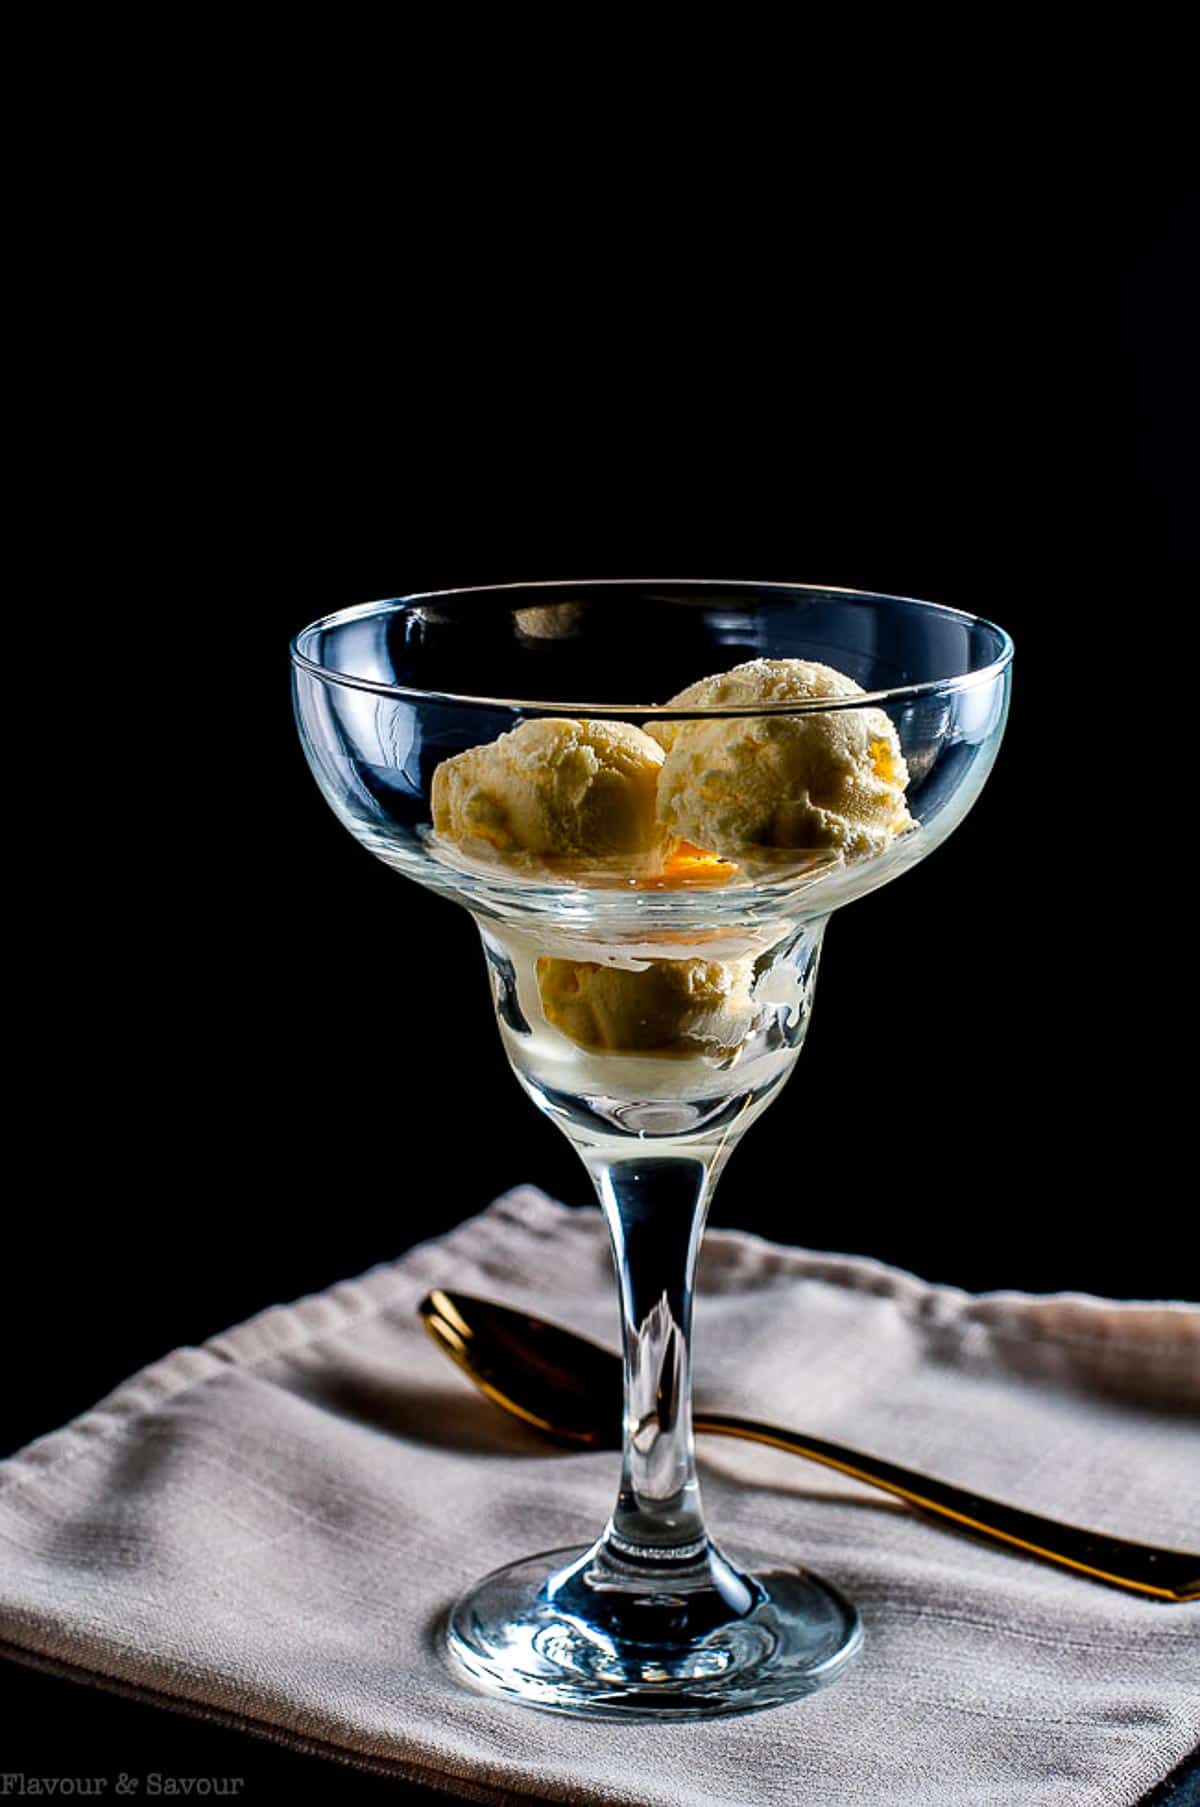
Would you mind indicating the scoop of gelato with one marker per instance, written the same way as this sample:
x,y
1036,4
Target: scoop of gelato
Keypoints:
x,y
832,780
669,1007
554,788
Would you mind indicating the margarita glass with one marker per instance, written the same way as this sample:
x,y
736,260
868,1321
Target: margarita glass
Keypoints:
x,y
652,1007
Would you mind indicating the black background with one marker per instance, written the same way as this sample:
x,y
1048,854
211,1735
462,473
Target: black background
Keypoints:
x,y
978,403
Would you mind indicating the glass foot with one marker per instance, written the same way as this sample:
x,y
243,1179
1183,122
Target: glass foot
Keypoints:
x,y
580,1631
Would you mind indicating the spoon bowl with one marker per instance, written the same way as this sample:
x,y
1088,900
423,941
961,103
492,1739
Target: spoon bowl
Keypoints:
x,y
563,1384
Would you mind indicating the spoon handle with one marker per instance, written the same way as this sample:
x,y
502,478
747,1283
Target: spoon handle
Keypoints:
x,y
1142,1568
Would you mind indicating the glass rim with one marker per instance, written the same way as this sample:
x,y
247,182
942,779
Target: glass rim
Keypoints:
x,y
798,706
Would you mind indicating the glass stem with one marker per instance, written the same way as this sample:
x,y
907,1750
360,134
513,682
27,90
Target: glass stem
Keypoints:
x,y
655,1208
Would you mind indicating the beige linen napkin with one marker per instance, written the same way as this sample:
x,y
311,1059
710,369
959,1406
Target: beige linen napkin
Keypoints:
x,y
268,1528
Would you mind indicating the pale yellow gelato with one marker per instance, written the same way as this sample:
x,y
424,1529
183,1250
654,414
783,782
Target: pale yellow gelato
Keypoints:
x,y
553,788
832,780
670,1007
549,621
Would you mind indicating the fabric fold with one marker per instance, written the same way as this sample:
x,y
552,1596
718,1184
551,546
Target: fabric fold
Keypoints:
x,y
268,1530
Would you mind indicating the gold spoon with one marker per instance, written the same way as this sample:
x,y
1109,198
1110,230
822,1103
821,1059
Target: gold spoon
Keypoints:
x,y
571,1389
